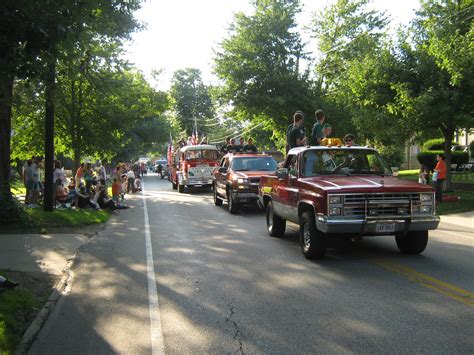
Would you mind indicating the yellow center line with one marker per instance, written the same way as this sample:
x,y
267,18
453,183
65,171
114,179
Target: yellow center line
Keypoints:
x,y
439,286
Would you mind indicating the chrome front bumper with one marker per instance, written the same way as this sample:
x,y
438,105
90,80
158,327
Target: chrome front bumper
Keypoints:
x,y
245,196
368,227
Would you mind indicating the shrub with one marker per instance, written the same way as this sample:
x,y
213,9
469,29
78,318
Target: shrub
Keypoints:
x,y
435,144
429,158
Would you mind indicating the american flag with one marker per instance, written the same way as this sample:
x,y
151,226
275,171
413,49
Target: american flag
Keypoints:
x,y
194,135
170,150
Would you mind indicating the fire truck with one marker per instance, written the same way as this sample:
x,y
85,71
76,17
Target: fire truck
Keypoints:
x,y
193,165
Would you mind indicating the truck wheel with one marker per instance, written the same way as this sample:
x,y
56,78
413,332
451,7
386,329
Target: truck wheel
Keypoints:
x,y
174,184
275,224
312,241
412,242
233,207
180,188
217,200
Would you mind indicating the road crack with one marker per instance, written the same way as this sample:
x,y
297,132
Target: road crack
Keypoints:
x,y
238,334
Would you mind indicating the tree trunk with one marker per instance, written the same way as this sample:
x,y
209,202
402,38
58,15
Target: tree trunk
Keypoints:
x,y
448,138
6,92
49,195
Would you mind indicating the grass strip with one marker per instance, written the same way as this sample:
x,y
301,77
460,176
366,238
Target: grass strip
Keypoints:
x,y
66,218
17,307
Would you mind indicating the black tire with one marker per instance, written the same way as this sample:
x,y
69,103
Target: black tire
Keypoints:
x,y
217,199
312,241
180,188
275,224
162,176
412,242
233,207
175,185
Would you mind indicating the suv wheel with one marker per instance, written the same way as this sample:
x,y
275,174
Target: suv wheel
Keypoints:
x,y
233,207
412,242
275,224
180,188
313,243
217,199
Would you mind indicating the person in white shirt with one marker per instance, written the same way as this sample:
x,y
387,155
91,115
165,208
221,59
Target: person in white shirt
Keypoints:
x,y
130,181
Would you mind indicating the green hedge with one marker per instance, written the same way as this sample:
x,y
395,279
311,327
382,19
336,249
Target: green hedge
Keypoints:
x,y
429,158
435,144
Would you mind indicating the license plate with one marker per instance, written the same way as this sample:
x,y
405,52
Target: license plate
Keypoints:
x,y
385,228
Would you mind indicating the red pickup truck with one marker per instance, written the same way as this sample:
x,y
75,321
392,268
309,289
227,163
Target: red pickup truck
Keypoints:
x,y
345,192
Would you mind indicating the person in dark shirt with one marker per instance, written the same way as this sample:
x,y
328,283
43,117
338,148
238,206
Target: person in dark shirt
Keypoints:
x,y
231,146
250,147
317,134
225,147
296,136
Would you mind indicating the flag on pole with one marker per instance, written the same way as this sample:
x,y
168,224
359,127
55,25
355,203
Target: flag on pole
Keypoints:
x,y
194,135
170,150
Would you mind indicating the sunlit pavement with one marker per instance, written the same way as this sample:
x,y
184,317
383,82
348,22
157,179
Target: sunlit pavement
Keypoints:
x,y
224,286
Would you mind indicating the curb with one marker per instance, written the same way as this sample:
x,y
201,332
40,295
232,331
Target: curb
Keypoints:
x,y
58,289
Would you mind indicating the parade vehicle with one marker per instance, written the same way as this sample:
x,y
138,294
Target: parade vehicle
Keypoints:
x,y
238,176
192,166
345,192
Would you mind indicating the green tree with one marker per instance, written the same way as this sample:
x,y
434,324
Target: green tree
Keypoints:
x,y
259,64
192,101
436,83
34,35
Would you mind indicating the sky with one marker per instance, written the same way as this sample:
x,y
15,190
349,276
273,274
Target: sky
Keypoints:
x,y
185,33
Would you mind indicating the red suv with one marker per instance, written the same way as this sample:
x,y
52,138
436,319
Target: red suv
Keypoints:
x,y
237,178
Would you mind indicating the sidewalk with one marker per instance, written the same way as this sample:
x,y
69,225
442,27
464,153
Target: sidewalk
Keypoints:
x,y
47,253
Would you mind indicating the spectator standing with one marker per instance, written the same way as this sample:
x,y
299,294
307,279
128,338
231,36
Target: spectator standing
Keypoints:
x,y
439,176
31,183
317,134
88,176
79,174
130,180
296,136
101,171
58,172
250,147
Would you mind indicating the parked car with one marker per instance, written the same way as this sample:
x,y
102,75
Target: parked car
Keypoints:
x,y
346,192
238,176
193,166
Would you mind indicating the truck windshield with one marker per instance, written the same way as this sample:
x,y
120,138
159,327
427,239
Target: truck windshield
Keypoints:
x,y
253,164
343,161
202,154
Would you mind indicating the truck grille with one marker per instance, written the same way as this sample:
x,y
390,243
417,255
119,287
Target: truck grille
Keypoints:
x,y
380,205
254,181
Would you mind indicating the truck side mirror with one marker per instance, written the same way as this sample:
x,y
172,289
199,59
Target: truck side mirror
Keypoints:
x,y
223,170
282,173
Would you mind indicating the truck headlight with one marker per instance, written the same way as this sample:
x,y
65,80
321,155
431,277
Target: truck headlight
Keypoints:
x,y
242,181
335,211
425,209
334,199
426,197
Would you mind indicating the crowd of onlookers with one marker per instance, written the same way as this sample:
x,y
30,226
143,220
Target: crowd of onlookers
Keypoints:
x,y
87,187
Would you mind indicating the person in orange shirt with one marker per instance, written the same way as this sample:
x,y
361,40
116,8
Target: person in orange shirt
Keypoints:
x,y
116,189
440,172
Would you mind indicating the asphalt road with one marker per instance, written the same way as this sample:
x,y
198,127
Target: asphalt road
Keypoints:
x,y
225,286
